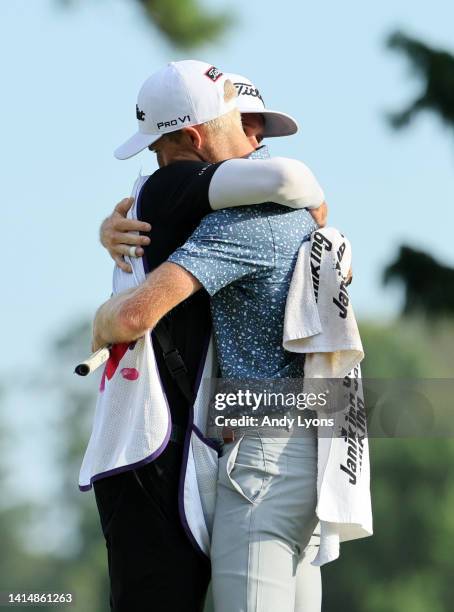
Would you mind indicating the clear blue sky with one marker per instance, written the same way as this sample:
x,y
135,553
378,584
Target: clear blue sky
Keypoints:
x,y
69,83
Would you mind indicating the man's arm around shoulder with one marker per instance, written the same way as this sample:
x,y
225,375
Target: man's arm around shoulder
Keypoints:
x,y
239,182
129,315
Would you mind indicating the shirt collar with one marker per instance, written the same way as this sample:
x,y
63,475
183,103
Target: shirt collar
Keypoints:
x,y
260,153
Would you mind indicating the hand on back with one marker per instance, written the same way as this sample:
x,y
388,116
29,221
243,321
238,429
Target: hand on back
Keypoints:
x,y
118,234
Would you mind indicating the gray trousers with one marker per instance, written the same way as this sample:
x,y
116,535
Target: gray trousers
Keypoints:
x,y
264,519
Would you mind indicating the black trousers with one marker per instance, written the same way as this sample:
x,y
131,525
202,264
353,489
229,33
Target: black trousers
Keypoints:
x,y
153,567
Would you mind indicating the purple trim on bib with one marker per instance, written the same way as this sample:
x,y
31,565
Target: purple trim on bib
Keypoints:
x,y
182,513
208,441
184,463
131,466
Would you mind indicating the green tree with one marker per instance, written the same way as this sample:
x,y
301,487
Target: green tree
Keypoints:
x,y
407,564
435,67
428,284
184,23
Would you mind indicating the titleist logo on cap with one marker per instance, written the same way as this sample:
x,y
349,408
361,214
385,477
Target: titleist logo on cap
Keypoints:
x,y
213,73
245,89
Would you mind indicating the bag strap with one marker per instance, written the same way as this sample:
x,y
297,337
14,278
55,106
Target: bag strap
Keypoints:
x,y
173,359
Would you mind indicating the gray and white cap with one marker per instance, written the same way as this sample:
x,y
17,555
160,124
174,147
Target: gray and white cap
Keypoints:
x,y
249,100
179,95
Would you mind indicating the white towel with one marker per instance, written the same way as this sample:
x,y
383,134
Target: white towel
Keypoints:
x,y
319,321
319,318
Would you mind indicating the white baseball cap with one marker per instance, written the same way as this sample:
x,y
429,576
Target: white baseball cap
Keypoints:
x,y
249,100
179,95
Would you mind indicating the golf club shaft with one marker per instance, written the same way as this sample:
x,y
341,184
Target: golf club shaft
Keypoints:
x,y
93,362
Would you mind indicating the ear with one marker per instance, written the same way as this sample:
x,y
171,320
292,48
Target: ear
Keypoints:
x,y
194,136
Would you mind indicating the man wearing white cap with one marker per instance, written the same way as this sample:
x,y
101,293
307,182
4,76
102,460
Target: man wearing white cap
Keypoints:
x,y
119,234
186,113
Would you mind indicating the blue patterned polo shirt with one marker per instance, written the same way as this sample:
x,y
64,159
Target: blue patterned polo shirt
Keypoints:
x,y
244,257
